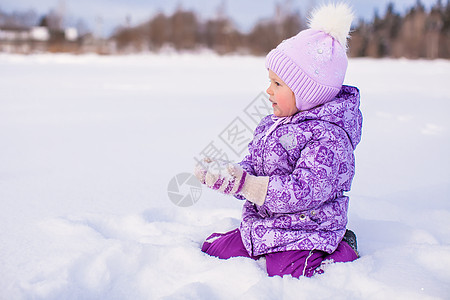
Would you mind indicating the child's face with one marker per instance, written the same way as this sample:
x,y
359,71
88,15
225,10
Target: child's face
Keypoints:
x,y
281,96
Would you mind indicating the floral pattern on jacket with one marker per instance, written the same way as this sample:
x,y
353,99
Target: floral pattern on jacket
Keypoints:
x,y
310,163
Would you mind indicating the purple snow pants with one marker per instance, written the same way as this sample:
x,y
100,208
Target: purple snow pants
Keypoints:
x,y
296,262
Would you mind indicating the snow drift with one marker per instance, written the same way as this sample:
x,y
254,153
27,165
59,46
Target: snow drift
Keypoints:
x,y
90,143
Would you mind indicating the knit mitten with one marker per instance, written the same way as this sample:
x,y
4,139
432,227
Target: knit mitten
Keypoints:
x,y
229,178
225,177
213,166
255,189
201,168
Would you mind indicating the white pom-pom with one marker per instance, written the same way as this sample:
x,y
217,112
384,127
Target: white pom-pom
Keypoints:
x,y
333,19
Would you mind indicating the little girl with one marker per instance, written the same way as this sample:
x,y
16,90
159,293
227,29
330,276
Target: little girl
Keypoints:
x,y
301,158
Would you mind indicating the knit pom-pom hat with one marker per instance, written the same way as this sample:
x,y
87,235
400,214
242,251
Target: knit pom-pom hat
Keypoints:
x,y
313,63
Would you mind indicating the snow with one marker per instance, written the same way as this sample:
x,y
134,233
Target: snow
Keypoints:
x,y
90,143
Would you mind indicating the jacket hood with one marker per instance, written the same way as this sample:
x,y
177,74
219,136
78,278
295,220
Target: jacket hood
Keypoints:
x,y
342,111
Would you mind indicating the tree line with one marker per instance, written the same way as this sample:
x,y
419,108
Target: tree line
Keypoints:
x,y
184,31
417,33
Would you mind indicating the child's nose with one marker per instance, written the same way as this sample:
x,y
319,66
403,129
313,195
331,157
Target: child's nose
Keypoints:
x,y
269,90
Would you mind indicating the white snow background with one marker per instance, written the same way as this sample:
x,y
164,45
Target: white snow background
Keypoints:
x,y
88,145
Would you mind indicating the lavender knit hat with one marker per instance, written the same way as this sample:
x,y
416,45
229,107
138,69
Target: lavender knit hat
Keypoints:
x,y
313,63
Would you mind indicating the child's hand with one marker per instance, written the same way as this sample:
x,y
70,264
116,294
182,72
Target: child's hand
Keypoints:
x,y
230,178
220,175
225,177
201,168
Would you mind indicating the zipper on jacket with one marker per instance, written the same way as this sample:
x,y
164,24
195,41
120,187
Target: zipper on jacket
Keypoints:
x,y
277,123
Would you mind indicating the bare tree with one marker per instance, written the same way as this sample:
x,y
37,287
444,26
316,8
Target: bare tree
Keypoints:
x,y
184,27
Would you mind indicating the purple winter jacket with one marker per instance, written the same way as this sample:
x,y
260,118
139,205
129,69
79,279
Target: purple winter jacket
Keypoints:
x,y
309,158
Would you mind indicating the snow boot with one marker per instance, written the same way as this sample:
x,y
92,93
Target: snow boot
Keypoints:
x,y
350,239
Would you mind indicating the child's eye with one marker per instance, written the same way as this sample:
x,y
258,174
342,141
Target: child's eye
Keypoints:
x,y
275,82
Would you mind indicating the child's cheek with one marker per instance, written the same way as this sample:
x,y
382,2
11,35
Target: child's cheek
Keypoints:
x,y
283,98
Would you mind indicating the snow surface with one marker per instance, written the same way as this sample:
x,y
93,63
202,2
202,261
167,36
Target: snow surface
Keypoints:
x,y
90,143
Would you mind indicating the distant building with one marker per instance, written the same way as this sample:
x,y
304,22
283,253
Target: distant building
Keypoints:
x,y
40,33
37,39
71,34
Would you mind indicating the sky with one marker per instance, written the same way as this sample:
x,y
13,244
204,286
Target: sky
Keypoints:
x,y
102,16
